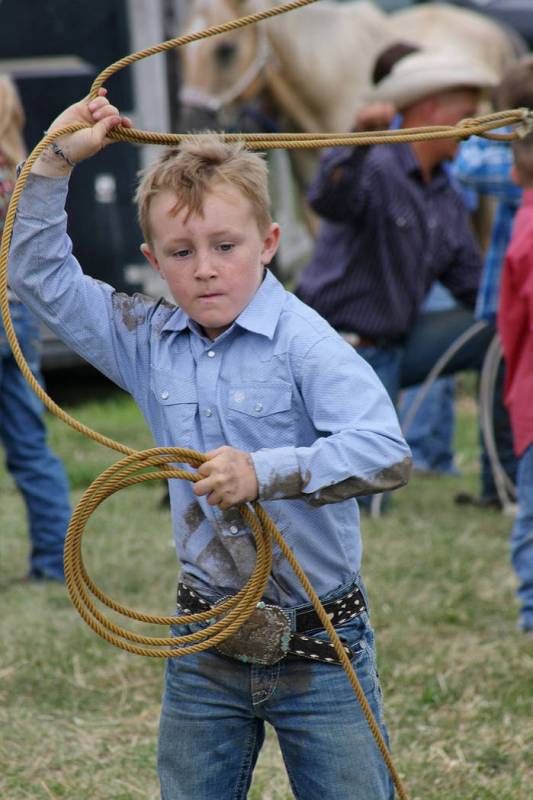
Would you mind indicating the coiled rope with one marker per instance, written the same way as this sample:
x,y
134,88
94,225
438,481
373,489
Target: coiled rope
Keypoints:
x,y
157,463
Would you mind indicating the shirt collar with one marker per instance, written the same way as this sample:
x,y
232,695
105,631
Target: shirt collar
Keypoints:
x,y
411,166
406,158
261,315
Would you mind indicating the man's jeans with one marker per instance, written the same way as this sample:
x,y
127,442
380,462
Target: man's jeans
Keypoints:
x,y
408,364
522,538
37,472
213,724
431,432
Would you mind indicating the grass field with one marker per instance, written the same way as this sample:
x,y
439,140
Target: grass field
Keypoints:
x,y
78,719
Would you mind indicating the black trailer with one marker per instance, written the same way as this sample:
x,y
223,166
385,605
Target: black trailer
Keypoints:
x,y
53,50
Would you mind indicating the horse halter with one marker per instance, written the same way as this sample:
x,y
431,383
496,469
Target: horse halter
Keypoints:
x,y
197,98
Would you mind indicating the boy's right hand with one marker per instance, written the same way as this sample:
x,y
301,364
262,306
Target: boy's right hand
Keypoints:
x,y
78,146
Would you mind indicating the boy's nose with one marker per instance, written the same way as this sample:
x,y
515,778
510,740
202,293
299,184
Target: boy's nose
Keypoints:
x,y
205,267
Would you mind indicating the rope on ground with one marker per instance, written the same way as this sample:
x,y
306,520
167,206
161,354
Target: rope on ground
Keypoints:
x,y
159,463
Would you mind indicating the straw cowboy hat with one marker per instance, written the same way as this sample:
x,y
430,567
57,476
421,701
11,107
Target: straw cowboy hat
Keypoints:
x,y
422,74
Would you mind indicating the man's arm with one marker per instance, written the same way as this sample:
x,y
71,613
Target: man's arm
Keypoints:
x,y
341,190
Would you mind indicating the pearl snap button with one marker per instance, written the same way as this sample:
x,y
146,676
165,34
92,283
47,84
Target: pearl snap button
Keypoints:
x,y
211,353
259,406
164,395
208,412
234,529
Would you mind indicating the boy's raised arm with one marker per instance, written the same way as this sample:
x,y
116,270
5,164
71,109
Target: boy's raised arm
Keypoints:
x,y
42,269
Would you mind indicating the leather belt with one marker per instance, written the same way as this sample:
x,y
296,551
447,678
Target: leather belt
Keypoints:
x,y
266,637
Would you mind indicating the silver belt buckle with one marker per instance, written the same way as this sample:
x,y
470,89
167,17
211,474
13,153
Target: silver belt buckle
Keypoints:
x,y
263,639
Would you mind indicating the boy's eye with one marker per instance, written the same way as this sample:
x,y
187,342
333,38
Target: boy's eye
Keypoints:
x,y
225,247
182,253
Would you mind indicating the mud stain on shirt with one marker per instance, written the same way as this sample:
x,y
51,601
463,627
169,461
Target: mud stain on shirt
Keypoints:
x,y
132,308
392,477
289,486
193,518
229,560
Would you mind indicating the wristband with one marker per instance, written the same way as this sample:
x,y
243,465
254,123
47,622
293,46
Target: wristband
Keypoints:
x,y
56,150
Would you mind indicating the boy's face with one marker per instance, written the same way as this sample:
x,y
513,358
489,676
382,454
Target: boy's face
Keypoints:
x,y
213,264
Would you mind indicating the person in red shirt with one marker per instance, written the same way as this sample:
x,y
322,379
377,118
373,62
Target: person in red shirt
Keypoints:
x,y
515,325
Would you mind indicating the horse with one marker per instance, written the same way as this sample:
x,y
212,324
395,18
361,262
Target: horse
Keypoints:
x,y
312,67
310,70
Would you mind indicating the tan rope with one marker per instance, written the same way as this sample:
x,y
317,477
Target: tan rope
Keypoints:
x,y
159,463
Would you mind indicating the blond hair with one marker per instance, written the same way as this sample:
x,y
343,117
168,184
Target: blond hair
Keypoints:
x,y
191,171
12,121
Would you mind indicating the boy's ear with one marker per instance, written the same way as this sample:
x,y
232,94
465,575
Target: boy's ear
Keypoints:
x,y
149,256
270,243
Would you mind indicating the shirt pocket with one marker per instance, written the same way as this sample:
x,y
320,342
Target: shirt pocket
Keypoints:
x,y
261,414
177,398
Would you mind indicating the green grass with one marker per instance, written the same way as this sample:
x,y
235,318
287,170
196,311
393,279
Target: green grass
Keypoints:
x,y
78,718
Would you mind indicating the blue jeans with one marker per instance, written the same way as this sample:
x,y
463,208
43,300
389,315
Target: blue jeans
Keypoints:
x,y
431,432
408,363
214,714
522,538
37,472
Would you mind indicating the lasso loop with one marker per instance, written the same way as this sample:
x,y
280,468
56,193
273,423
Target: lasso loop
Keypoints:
x,y
160,463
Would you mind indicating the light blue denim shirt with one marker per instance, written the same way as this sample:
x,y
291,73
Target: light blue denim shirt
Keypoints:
x,y
279,383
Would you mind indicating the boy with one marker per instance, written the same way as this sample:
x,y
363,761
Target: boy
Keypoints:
x,y
285,410
515,325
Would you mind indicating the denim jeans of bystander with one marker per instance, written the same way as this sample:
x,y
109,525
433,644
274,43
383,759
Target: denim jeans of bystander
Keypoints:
x,y
408,363
37,472
214,714
522,539
431,432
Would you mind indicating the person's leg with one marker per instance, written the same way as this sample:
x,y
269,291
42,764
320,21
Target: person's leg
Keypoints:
x,y
209,736
326,742
522,539
430,338
386,363
38,473
432,334
430,434
431,431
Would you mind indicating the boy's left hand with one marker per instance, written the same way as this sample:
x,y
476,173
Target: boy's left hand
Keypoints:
x,y
228,478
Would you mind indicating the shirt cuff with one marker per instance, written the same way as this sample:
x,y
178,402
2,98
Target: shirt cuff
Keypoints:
x,y
43,198
278,474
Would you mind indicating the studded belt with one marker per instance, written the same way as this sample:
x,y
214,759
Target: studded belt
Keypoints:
x,y
266,637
